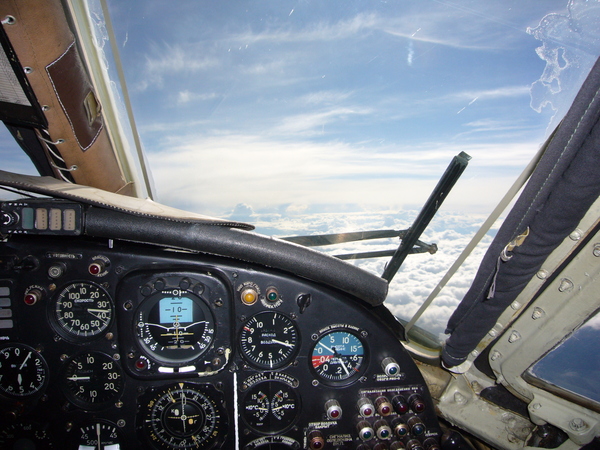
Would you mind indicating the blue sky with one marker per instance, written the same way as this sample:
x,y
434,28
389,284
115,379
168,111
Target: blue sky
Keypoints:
x,y
319,117
324,105
330,116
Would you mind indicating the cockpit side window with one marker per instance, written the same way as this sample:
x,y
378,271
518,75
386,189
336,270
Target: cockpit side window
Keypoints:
x,y
572,368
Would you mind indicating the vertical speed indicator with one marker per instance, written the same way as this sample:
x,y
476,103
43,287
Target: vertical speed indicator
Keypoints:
x,y
338,357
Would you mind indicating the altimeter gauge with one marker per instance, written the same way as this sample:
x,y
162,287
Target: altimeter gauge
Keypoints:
x,y
82,311
269,340
175,326
338,356
23,371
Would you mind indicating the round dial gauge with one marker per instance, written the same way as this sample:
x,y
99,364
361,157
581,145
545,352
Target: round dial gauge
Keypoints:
x,y
92,380
23,371
175,326
26,435
269,340
271,406
184,416
99,435
82,310
338,357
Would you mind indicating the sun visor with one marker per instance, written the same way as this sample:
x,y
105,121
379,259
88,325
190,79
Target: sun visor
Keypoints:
x,y
97,197
560,191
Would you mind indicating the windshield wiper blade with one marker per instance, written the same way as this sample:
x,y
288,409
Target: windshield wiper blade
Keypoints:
x,y
449,178
318,240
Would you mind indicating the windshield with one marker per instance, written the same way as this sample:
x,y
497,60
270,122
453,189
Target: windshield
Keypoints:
x,y
324,117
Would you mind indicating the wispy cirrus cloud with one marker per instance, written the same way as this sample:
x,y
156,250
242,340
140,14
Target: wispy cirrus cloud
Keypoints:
x,y
311,123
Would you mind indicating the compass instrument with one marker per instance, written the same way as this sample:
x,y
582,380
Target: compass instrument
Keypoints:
x,y
23,371
269,340
184,415
82,311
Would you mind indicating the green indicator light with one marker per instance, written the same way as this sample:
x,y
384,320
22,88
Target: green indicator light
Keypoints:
x,y
272,296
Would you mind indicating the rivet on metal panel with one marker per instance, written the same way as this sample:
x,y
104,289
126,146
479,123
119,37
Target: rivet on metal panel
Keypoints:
x,y
596,250
542,274
538,313
514,336
566,285
495,355
576,234
515,305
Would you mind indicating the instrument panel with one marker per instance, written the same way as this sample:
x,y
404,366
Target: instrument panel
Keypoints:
x,y
113,345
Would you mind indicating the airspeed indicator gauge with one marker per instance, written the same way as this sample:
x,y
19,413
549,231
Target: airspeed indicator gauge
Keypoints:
x,y
82,311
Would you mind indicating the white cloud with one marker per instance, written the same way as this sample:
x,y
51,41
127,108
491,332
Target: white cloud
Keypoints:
x,y
419,274
217,172
187,96
311,123
500,92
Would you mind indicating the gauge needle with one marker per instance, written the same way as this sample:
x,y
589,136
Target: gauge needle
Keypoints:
x,y
99,314
287,344
98,434
331,350
343,364
78,378
25,361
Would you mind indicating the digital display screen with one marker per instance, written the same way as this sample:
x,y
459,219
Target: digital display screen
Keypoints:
x,y
176,309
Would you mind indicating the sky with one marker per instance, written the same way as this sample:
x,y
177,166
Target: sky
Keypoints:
x,y
306,117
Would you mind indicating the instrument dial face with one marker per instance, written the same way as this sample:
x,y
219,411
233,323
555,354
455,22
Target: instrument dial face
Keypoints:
x,y
184,416
82,311
338,357
175,326
271,406
92,380
23,371
99,435
26,435
269,340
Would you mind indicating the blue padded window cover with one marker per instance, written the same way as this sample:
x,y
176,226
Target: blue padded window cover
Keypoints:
x,y
562,188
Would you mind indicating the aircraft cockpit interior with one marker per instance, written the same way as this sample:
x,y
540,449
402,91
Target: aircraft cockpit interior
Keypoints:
x,y
129,323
